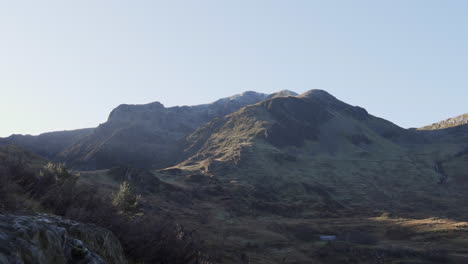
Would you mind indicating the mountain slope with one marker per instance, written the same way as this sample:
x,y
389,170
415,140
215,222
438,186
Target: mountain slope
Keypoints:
x,y
292,122
318,148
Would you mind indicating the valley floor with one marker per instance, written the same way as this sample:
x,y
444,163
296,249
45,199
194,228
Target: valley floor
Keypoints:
x,y
361,236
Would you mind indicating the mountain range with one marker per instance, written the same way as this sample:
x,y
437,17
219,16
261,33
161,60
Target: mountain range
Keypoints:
x,y
302,141
274,166
147,135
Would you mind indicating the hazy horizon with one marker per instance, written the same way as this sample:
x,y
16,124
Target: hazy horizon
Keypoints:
x,y
66,65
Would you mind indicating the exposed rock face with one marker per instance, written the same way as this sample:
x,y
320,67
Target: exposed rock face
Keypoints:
x,y
45,239
447,123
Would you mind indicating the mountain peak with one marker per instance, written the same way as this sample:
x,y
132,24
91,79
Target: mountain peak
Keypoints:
x,y
317,93
126,112
283,93
251,93
325,99
248,95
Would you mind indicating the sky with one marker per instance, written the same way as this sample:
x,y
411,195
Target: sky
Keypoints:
x,y
66,64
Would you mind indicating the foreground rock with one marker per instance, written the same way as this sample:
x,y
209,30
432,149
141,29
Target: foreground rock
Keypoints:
x,y
45,239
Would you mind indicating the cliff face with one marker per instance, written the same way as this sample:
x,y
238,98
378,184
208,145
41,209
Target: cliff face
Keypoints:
x,y
45,239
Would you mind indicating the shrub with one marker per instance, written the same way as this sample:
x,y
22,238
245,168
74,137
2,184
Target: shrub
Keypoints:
x,y
126,199
57,172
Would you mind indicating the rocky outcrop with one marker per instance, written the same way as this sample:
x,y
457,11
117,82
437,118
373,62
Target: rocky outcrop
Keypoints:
x,y
44,239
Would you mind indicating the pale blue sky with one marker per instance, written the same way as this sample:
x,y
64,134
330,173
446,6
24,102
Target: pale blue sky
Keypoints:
x,y
66,64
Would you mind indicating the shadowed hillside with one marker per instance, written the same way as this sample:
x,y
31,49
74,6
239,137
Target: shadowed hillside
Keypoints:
x,y
48,144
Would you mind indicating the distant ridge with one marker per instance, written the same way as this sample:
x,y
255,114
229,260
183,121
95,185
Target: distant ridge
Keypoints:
x,y
447,123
